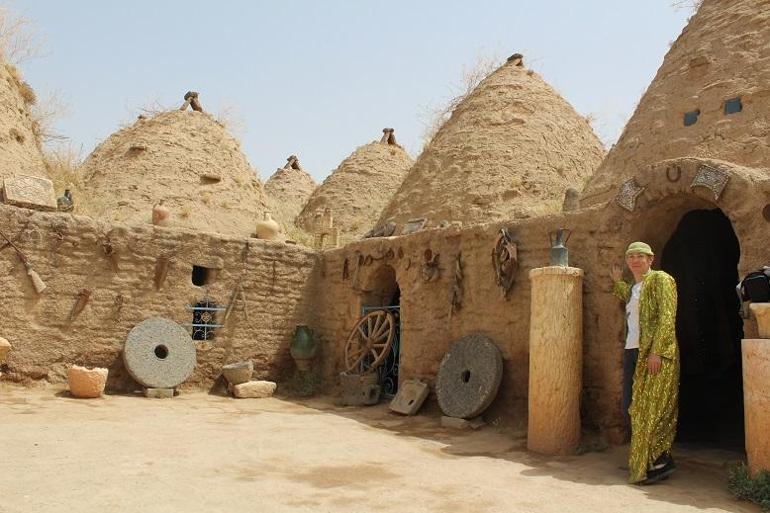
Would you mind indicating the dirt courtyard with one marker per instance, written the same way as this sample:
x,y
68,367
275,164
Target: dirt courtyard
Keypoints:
x,y
205,453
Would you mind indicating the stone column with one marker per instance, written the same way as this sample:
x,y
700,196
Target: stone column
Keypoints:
x,y
555,359
756,402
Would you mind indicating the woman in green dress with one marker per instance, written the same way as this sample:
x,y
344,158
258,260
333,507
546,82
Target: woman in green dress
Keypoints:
x,y
654,400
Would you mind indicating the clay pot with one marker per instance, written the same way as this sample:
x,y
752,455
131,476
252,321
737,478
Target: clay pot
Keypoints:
x,y
303,347
237,373
160,215
762,313
267,228
86,383
5,348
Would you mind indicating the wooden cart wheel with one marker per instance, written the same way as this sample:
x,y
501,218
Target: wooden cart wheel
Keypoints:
x,y
371,336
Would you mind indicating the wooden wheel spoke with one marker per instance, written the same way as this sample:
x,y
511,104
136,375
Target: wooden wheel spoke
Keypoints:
x,y
382,336
363,335
384,328
383,344
356,352
374,353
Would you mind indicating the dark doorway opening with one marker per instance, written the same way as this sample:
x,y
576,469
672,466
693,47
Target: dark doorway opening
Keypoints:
x,y
702,255
385,294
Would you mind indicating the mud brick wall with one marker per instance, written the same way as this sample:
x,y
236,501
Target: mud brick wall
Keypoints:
x,y
600,235
71,253
428,328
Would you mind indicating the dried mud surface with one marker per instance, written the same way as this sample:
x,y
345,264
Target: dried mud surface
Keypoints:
x,y
204,453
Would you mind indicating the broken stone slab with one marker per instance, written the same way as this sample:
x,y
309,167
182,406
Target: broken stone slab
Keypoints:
x,y
413,225
86,383
410,397
5,348
159,393
458,423
29,192
254,389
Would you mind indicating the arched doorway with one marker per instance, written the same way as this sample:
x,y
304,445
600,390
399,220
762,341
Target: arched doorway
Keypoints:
x,y
702,255
382,292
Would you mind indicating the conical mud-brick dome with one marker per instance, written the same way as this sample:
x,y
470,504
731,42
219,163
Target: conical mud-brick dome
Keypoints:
x,y
186,159
357,191
710,98
19,145
288,190
509,150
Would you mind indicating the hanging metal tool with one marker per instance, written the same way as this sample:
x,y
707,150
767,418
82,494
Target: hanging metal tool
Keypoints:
x,y
37,282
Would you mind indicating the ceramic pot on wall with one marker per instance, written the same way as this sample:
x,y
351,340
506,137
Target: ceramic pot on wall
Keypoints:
x,y
267,228
160,214
303,347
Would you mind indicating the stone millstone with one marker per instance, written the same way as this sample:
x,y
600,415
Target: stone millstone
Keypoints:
x,y
159,353
469,377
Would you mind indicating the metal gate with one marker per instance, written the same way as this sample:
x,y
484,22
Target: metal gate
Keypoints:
x,y
388,371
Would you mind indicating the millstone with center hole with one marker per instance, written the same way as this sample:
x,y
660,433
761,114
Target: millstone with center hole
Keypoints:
x,y
469,377
159,353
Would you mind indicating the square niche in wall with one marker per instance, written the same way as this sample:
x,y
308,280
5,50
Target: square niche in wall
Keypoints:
x,y
202,275
733,106
690,118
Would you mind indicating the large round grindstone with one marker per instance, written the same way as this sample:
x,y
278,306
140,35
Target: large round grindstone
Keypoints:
x,y
469,377
159,353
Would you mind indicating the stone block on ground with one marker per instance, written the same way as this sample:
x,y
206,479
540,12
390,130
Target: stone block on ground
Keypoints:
x,y
410,397
5,348
254,389
29,192
159,393
360,390
86,383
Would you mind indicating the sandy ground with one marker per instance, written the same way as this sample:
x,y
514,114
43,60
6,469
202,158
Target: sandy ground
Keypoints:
x,y
206,453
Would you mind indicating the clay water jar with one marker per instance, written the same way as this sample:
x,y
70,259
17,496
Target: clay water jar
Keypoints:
x,y
160,215
268,229
303,347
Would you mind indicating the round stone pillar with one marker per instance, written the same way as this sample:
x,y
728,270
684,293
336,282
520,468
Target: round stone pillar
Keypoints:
x,y
756,402
555,359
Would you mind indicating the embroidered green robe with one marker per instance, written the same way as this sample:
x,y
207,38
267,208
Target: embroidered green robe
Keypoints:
x,y
654,402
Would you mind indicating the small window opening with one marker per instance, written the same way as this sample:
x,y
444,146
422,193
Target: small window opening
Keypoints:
x,y
690,118
200,275
733,106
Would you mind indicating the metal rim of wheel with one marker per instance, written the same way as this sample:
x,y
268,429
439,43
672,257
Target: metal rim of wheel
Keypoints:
x,y
372,335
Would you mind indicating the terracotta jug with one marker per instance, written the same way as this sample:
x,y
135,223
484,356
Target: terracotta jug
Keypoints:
x,y
267,228
160,214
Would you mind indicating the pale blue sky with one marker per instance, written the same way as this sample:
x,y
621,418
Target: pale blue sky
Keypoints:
x,y
319,79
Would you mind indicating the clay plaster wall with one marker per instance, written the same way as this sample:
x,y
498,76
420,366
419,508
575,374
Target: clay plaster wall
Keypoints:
x,y
599,237
722,54
67,251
